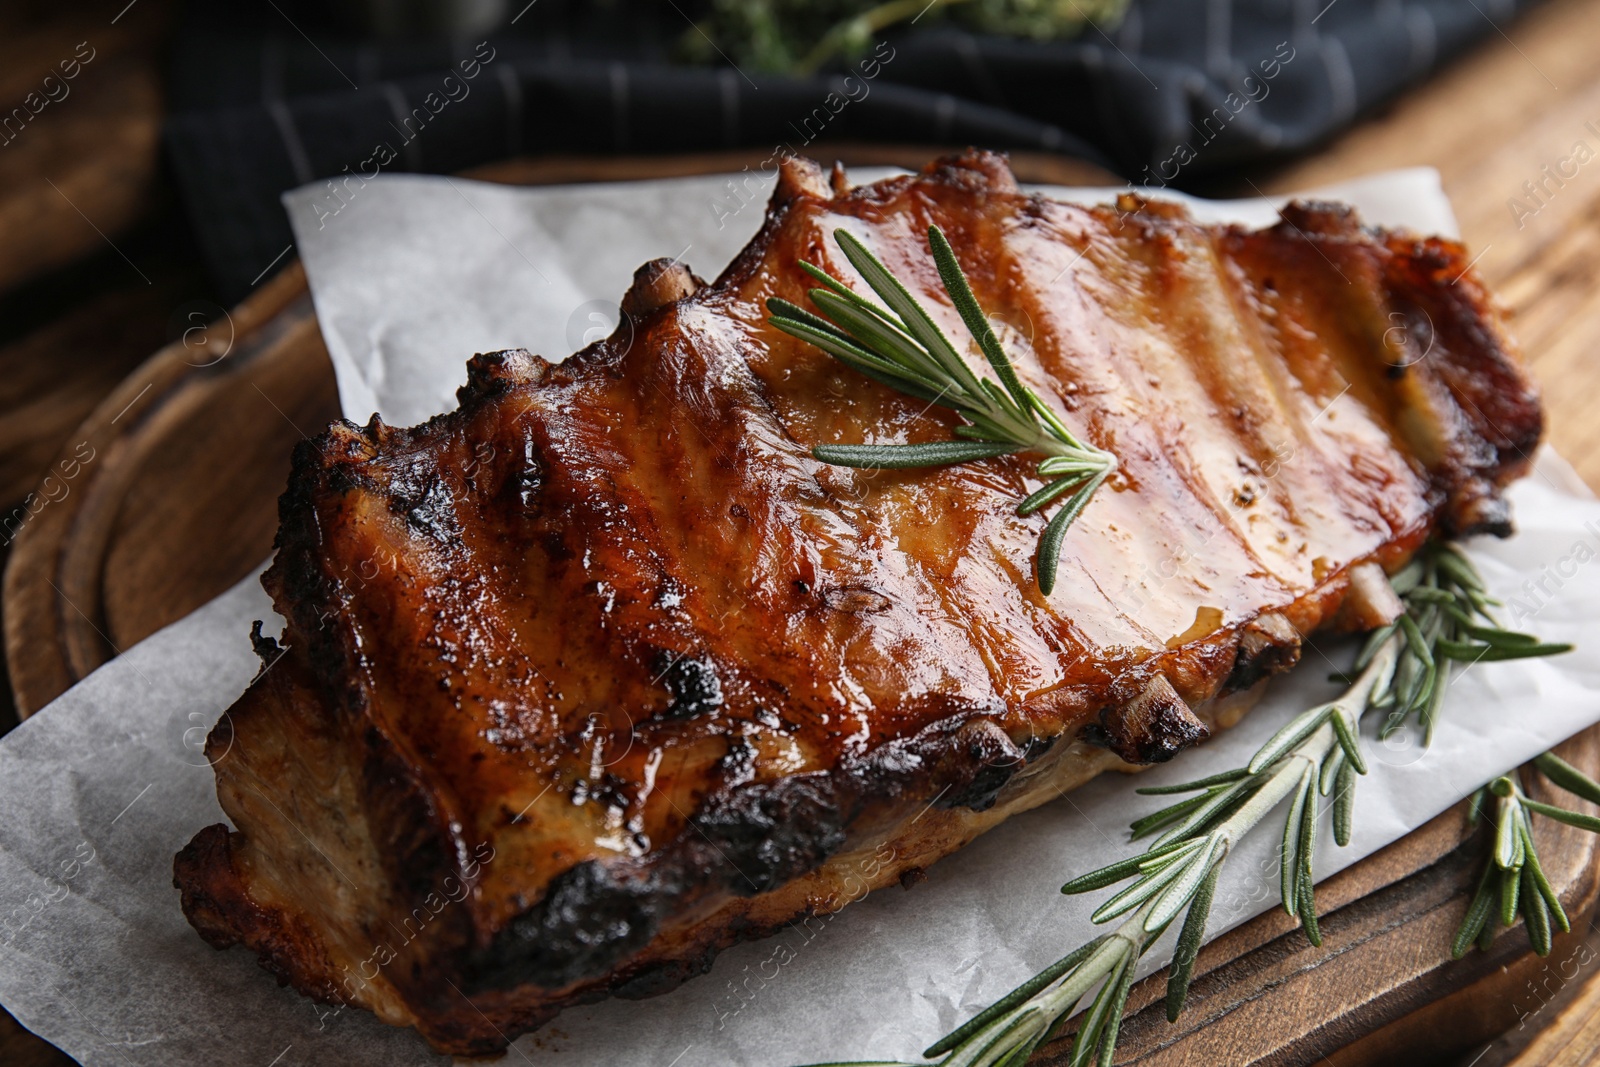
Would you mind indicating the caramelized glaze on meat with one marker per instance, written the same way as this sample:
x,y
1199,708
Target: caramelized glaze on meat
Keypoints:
x,y
602,672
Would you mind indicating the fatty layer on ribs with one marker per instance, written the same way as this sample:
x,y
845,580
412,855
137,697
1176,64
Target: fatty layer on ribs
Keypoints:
x,y
603,672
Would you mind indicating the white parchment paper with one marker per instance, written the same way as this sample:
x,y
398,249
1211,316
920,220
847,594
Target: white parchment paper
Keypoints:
x,y
411,275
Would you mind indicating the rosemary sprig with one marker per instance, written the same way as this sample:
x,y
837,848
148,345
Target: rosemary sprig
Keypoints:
x,y
1311,756
902,347
1447,618
1401,671
1177,874
1513,882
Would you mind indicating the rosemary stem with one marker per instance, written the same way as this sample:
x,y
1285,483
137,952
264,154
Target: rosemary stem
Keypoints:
x,y
1284,779
1286,774
1358,697
1130,938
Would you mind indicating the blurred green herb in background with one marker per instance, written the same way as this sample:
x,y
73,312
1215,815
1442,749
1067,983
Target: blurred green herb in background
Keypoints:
x,y
802,36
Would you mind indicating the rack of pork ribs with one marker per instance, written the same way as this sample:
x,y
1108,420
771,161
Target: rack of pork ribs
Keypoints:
x,y
602,672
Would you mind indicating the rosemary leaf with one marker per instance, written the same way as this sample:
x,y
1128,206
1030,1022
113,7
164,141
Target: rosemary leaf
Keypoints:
x,y
871,331
1414,639
1183,889
1288,869
1188,787
1112,1026
1568,777
1376,640
1068,465
1308,910
1211,812
1542,885
1536,914
1478,913
1571,818
1330,770
1138,893
1297,730
1408,577
1157,819
783,309
1056,531
1347,740
917,322
1510,883
1040,497
955,283
1085,1045
1455,563
859,360
1486,653
1022,1053
902,457
1344,802
1116,872
1504,638
1475,807
1190,939
1307,856
1505,843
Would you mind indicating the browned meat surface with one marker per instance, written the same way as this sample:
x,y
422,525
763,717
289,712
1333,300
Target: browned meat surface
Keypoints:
x,y
603,672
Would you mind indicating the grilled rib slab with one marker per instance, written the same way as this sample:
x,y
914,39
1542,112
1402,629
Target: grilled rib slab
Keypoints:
x,y
602,672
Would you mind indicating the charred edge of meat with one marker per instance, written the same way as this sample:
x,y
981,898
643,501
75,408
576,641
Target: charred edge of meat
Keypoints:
x,y
335,462
493,374
590,919
758,836
217,906
1501,419
266,649
800,177
993,758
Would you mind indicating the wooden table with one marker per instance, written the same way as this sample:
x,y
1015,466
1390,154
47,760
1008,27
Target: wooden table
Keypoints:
x,y
68,334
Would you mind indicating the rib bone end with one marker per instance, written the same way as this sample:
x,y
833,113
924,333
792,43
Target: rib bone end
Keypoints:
x,y
1154,726
656,284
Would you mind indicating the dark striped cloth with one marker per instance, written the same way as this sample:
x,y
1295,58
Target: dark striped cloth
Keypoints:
x,y
1181,89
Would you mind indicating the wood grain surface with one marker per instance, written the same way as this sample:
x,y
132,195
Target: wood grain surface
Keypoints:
x,y
176,504
84,167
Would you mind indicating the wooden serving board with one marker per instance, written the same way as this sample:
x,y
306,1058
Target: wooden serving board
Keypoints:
x,y
166,496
